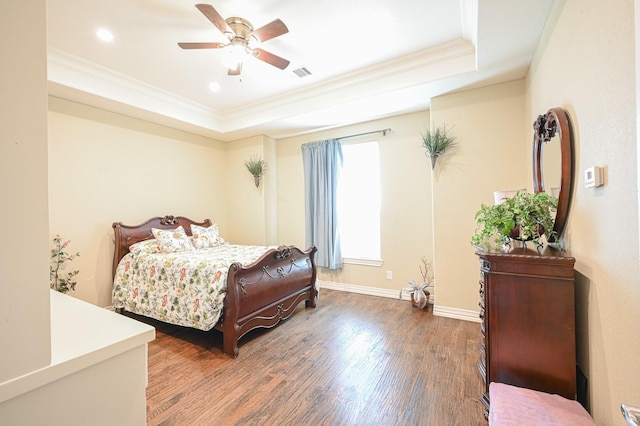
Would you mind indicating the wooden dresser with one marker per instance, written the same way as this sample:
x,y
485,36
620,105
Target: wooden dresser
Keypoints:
x,y
527,310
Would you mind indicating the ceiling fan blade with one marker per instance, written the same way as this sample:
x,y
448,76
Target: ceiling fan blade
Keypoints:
x,y
271,30
215,18
270,58
235,71
201,45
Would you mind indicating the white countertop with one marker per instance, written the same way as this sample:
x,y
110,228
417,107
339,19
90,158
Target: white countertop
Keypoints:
x,y
82,335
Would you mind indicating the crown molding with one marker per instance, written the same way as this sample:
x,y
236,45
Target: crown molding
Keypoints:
x,y
445,60
65,70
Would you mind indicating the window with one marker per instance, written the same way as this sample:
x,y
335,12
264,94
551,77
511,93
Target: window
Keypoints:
x,y
359,203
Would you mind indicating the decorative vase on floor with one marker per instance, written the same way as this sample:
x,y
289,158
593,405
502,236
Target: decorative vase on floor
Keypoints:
x,y
416,304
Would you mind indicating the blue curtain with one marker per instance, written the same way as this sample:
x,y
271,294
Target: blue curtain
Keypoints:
x,y
322,165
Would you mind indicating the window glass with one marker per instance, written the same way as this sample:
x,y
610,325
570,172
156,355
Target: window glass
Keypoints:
x,y
359,201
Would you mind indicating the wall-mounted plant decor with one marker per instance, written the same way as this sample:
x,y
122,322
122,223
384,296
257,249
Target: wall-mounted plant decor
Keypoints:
x,y
257,167
436,142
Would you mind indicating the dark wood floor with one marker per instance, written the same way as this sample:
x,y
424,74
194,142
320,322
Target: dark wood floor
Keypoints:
x,y
354,360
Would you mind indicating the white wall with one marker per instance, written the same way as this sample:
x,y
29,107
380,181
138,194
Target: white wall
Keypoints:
x,y
585,65
24,305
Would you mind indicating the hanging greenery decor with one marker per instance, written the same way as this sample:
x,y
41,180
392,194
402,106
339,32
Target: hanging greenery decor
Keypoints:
x,y
437,142
257,167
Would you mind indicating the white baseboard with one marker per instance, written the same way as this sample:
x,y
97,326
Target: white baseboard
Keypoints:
x,y
460,314
371,291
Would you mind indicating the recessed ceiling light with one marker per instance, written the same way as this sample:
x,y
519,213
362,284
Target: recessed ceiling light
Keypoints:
x,y
214,87
104,34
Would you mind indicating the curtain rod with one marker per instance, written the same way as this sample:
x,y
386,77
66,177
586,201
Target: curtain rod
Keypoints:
x,y
383,131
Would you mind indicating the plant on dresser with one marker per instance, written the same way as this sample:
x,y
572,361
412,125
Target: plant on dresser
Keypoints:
x,y
524,217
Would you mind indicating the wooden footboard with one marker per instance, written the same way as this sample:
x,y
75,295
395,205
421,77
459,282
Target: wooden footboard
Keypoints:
x,y
266,292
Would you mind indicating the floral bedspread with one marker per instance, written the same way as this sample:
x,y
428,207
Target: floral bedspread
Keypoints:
x,y
185,288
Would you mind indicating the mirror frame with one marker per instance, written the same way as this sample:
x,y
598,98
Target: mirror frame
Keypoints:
x,y
545,127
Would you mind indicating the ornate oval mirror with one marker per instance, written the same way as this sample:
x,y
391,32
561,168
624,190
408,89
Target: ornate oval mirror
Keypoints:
x,y
553,161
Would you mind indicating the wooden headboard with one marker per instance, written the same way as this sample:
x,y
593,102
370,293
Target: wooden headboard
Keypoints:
x,y
127,235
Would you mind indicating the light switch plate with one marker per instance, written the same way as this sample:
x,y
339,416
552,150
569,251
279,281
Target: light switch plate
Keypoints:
x,y
593,177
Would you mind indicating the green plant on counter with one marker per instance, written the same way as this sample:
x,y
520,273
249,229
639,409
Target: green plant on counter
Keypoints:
x,y
523,217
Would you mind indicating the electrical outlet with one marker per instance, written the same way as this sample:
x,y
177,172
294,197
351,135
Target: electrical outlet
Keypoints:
x,y
389,275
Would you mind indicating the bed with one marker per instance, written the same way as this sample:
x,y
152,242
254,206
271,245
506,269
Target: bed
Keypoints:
x,y
258,292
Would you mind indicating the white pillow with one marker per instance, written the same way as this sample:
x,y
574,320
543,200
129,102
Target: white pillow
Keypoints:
x,y
172,240
206,237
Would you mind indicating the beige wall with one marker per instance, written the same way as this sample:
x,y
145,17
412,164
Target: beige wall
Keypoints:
x,y
406,233
39,351
585,65
106,168
420,205
491,156
24,305
246,203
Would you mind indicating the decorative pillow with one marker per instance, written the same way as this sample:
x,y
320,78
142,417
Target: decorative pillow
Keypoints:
x,y
147,247
172,240
206,237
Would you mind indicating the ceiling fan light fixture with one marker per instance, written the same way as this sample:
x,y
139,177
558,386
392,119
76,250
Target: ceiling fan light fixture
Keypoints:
x,y
235,55
242,40
253,42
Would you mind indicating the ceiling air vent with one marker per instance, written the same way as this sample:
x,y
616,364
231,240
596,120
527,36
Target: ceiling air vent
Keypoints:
x,y
301,72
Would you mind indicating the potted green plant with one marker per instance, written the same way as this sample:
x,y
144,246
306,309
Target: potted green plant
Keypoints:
x,y
436,142
59,280
257,167
523,217
419,292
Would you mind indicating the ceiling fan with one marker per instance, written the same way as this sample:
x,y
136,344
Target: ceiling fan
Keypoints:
x,y
241,34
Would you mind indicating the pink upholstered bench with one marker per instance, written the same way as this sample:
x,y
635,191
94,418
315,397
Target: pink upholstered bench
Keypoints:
x,y
511,405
